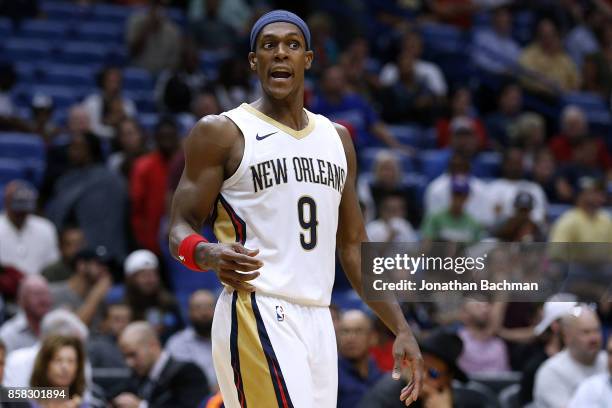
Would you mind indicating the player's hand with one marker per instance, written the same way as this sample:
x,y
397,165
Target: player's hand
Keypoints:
x,y
234,264
126,400
405,348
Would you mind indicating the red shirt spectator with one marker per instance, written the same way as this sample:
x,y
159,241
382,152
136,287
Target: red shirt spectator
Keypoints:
x,y
563,150
148,184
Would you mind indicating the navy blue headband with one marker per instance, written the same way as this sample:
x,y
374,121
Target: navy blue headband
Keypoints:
x,y
277,16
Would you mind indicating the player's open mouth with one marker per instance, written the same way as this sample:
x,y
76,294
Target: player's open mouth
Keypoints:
x,y
281,75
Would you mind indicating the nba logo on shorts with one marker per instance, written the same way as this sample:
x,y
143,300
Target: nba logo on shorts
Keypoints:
x,y
280,313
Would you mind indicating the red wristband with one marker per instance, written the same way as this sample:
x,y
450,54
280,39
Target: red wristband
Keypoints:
x,y
186,251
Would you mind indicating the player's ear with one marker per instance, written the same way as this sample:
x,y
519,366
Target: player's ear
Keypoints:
x,y
309,55
252,61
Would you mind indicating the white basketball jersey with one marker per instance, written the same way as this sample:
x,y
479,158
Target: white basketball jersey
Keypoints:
x,y
283,200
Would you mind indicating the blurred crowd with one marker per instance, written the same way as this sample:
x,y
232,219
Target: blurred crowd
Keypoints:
x,y
473,120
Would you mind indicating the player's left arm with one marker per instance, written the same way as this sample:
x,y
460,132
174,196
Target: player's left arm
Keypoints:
x,y
351,233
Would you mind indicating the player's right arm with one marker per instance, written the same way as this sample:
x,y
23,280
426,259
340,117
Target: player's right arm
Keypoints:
x,y
213,151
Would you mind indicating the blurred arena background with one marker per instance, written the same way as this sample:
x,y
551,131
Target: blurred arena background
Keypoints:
x,y
472,119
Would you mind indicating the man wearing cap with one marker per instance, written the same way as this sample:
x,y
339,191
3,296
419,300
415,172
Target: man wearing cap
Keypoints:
x,y
441,350
279,182
549,340
453,224
147,298
559,376
520,226
85,290
27,242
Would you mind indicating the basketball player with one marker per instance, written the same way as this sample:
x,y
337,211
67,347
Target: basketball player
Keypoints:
x,y
279,184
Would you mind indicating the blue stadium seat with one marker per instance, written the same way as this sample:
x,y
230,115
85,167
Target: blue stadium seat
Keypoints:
x,y
487,165
137,79
26,71
111,13
63,96
26,49
69,75
6,27
144,100
210,61
368,157
443,38
11,169
43,29
347,299
78,52
556,210
585,100
96,31
147,121
407,134
523,26
65,11
22,146
434,162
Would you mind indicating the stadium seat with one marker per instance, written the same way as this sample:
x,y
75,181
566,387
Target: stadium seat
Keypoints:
x,y
210,61
111,13
75,52
147,121
65,11
137,79
63,96
20,146
69,75
523,26
434,162
144,100
43,29
476,394
556,210
347,299
509,397
487,165
497,381
442,38
407,134
585,100
11,169
6,27
96,31
26,71
27,49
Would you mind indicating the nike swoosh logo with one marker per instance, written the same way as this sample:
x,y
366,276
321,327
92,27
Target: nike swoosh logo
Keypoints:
x,y
181,258
264,136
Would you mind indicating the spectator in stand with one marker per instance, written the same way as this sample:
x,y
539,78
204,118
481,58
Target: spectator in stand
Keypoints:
x,y
574,128
357,371
455,12
583,164
148,182
602,61
235,13
193,343
147,298
587,221
597,390
159,380
103,348
440,352
84,292
428,72
131,140
234,85
338,103
464,137
20,363
107,108
8,111
503,191
360,69
558,377
91,196
582,40
550,69
501,123
483,352
409,98
438,192
529,134
34,301
72,240
177,88
453,224
322,30
60,363
41,123
210,31
391,226
519,227
544,172
461,106
153,39
494,48
29,242
549,341
388,179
